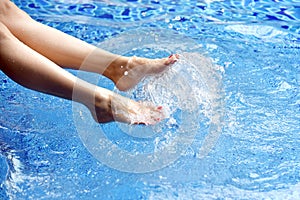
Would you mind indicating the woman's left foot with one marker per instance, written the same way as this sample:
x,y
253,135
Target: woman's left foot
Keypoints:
x,y
126,72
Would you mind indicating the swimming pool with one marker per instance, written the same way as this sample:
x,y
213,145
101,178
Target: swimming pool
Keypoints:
x,y
256,155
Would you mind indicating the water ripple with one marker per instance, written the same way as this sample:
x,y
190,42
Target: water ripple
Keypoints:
x,y
284,15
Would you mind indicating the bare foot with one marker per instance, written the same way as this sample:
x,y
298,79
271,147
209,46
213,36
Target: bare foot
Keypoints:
x,y
113,107
126,72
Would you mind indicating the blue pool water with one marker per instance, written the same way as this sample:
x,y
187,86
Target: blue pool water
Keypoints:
x,y
248,99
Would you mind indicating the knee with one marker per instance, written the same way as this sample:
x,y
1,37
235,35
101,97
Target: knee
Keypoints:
x,y
9,12
5,8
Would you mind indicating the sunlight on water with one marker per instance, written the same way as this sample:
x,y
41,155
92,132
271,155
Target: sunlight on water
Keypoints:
x,y
257,155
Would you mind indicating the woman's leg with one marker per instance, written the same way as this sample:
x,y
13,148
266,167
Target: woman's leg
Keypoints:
x,y
67,51
32,70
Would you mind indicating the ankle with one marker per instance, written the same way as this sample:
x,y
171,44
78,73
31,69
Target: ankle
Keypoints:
x,y
116,68
101,108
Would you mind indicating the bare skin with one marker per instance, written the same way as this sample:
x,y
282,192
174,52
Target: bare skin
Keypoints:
x,y
32,54
131,70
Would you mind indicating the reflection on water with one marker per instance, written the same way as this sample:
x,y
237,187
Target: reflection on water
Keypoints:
x,y
256,156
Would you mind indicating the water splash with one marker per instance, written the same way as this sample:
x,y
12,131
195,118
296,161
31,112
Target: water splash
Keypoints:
x,y
192,85
189,92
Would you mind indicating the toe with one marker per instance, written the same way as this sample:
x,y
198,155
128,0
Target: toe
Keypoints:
x,y
172,59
